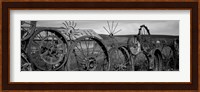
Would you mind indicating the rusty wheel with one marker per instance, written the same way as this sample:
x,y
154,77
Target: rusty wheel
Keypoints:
x,y
119,59
88,53
168,57
140,62
47,50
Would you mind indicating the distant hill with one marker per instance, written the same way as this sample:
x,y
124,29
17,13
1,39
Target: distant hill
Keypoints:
x,y
122,39
104,36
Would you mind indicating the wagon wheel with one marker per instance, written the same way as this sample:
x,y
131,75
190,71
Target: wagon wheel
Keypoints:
x,y
88,54
140,62
119,59
134,48
168,56
47,50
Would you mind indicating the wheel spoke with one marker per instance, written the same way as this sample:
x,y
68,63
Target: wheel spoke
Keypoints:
x,y
81,58
89,60
94,47
39,36
51,60
119,55
100,52
86,45
100,56
46,50
82,49
47,33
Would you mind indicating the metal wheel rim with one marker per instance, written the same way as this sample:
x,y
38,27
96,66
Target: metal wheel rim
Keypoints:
x,y
157,63
39,63
81,52
119,59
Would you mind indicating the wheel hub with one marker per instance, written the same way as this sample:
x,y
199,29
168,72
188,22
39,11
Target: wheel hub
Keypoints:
x,y
89,64
51,53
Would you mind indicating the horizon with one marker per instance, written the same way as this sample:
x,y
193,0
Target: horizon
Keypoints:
x,y
137,34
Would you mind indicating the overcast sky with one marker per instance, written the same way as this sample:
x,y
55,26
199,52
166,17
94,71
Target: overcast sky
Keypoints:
x,y
161,27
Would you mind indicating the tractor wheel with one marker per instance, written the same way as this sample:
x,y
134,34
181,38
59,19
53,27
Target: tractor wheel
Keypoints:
x,y
168,57
47,50
87,53
119,59
140,62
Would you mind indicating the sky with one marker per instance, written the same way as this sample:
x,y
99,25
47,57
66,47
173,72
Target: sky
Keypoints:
x,y
127,27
